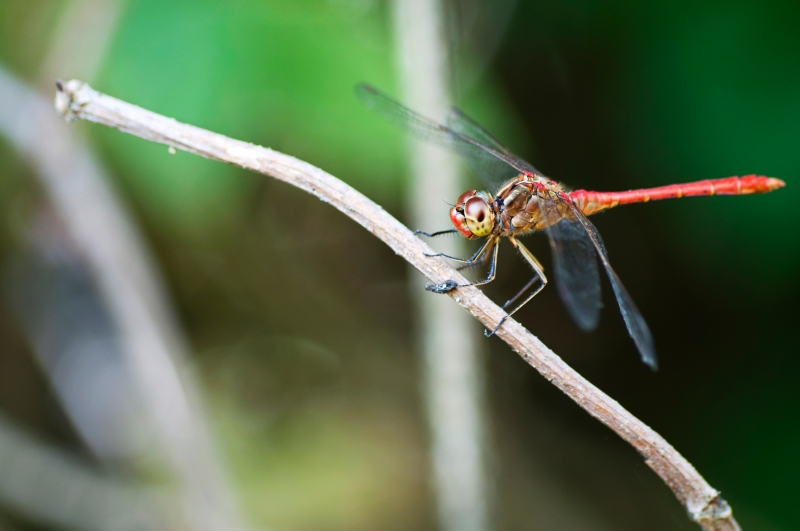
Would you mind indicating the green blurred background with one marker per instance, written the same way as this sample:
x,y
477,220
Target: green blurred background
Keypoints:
x,y
301,321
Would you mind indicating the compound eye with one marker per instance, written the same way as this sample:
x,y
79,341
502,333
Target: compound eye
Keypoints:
x,y
479,216
466,195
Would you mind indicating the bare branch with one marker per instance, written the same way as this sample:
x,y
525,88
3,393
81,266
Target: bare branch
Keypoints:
x,y
76,100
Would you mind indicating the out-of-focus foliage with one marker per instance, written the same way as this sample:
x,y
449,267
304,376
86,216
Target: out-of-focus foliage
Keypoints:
x,y
300,320
279,74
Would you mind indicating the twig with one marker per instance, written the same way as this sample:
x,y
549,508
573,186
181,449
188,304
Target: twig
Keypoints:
x,y
76,100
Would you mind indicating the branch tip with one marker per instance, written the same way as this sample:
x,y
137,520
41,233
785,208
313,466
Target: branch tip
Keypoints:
x,y
65,102
717,510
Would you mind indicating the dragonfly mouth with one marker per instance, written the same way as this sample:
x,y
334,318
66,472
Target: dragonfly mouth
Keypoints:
x,y
460,222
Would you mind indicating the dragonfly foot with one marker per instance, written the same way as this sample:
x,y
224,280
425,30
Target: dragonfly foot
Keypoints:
x,y
443,287
496,328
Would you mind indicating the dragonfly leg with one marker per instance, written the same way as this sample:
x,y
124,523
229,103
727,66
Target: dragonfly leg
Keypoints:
x,y
510,301
472,260
473,263
434,234
450,285
535,279
492,269
538,269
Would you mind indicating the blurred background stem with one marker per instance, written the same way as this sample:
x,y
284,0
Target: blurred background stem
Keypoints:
x,y
53,488
107,239
453,373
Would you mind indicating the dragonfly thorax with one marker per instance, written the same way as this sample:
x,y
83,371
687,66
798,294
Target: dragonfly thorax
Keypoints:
x,y
473,215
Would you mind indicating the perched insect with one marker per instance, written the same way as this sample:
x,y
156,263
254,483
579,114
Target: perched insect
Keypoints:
x,y
527,201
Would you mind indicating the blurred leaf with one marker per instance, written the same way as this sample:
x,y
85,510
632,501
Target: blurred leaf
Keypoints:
x,y
718,92
274,73
25,33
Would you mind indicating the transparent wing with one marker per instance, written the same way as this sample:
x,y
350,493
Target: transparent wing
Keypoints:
x,y
575,265
461,123
576,246
485,156
637,327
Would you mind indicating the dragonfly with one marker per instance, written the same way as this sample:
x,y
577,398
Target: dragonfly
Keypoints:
x,y
524,200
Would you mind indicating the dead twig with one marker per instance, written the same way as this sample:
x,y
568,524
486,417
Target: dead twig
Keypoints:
x,y
76,100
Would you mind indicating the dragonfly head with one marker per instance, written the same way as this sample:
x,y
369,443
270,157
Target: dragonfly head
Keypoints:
x,y
473,216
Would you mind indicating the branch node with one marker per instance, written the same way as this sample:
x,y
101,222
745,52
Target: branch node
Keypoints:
x,y
66,103
716,510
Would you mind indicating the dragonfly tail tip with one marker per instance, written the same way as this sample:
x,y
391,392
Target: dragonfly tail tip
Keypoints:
x,y
774,184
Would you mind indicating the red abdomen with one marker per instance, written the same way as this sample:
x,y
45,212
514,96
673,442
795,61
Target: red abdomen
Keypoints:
x,y
590,202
